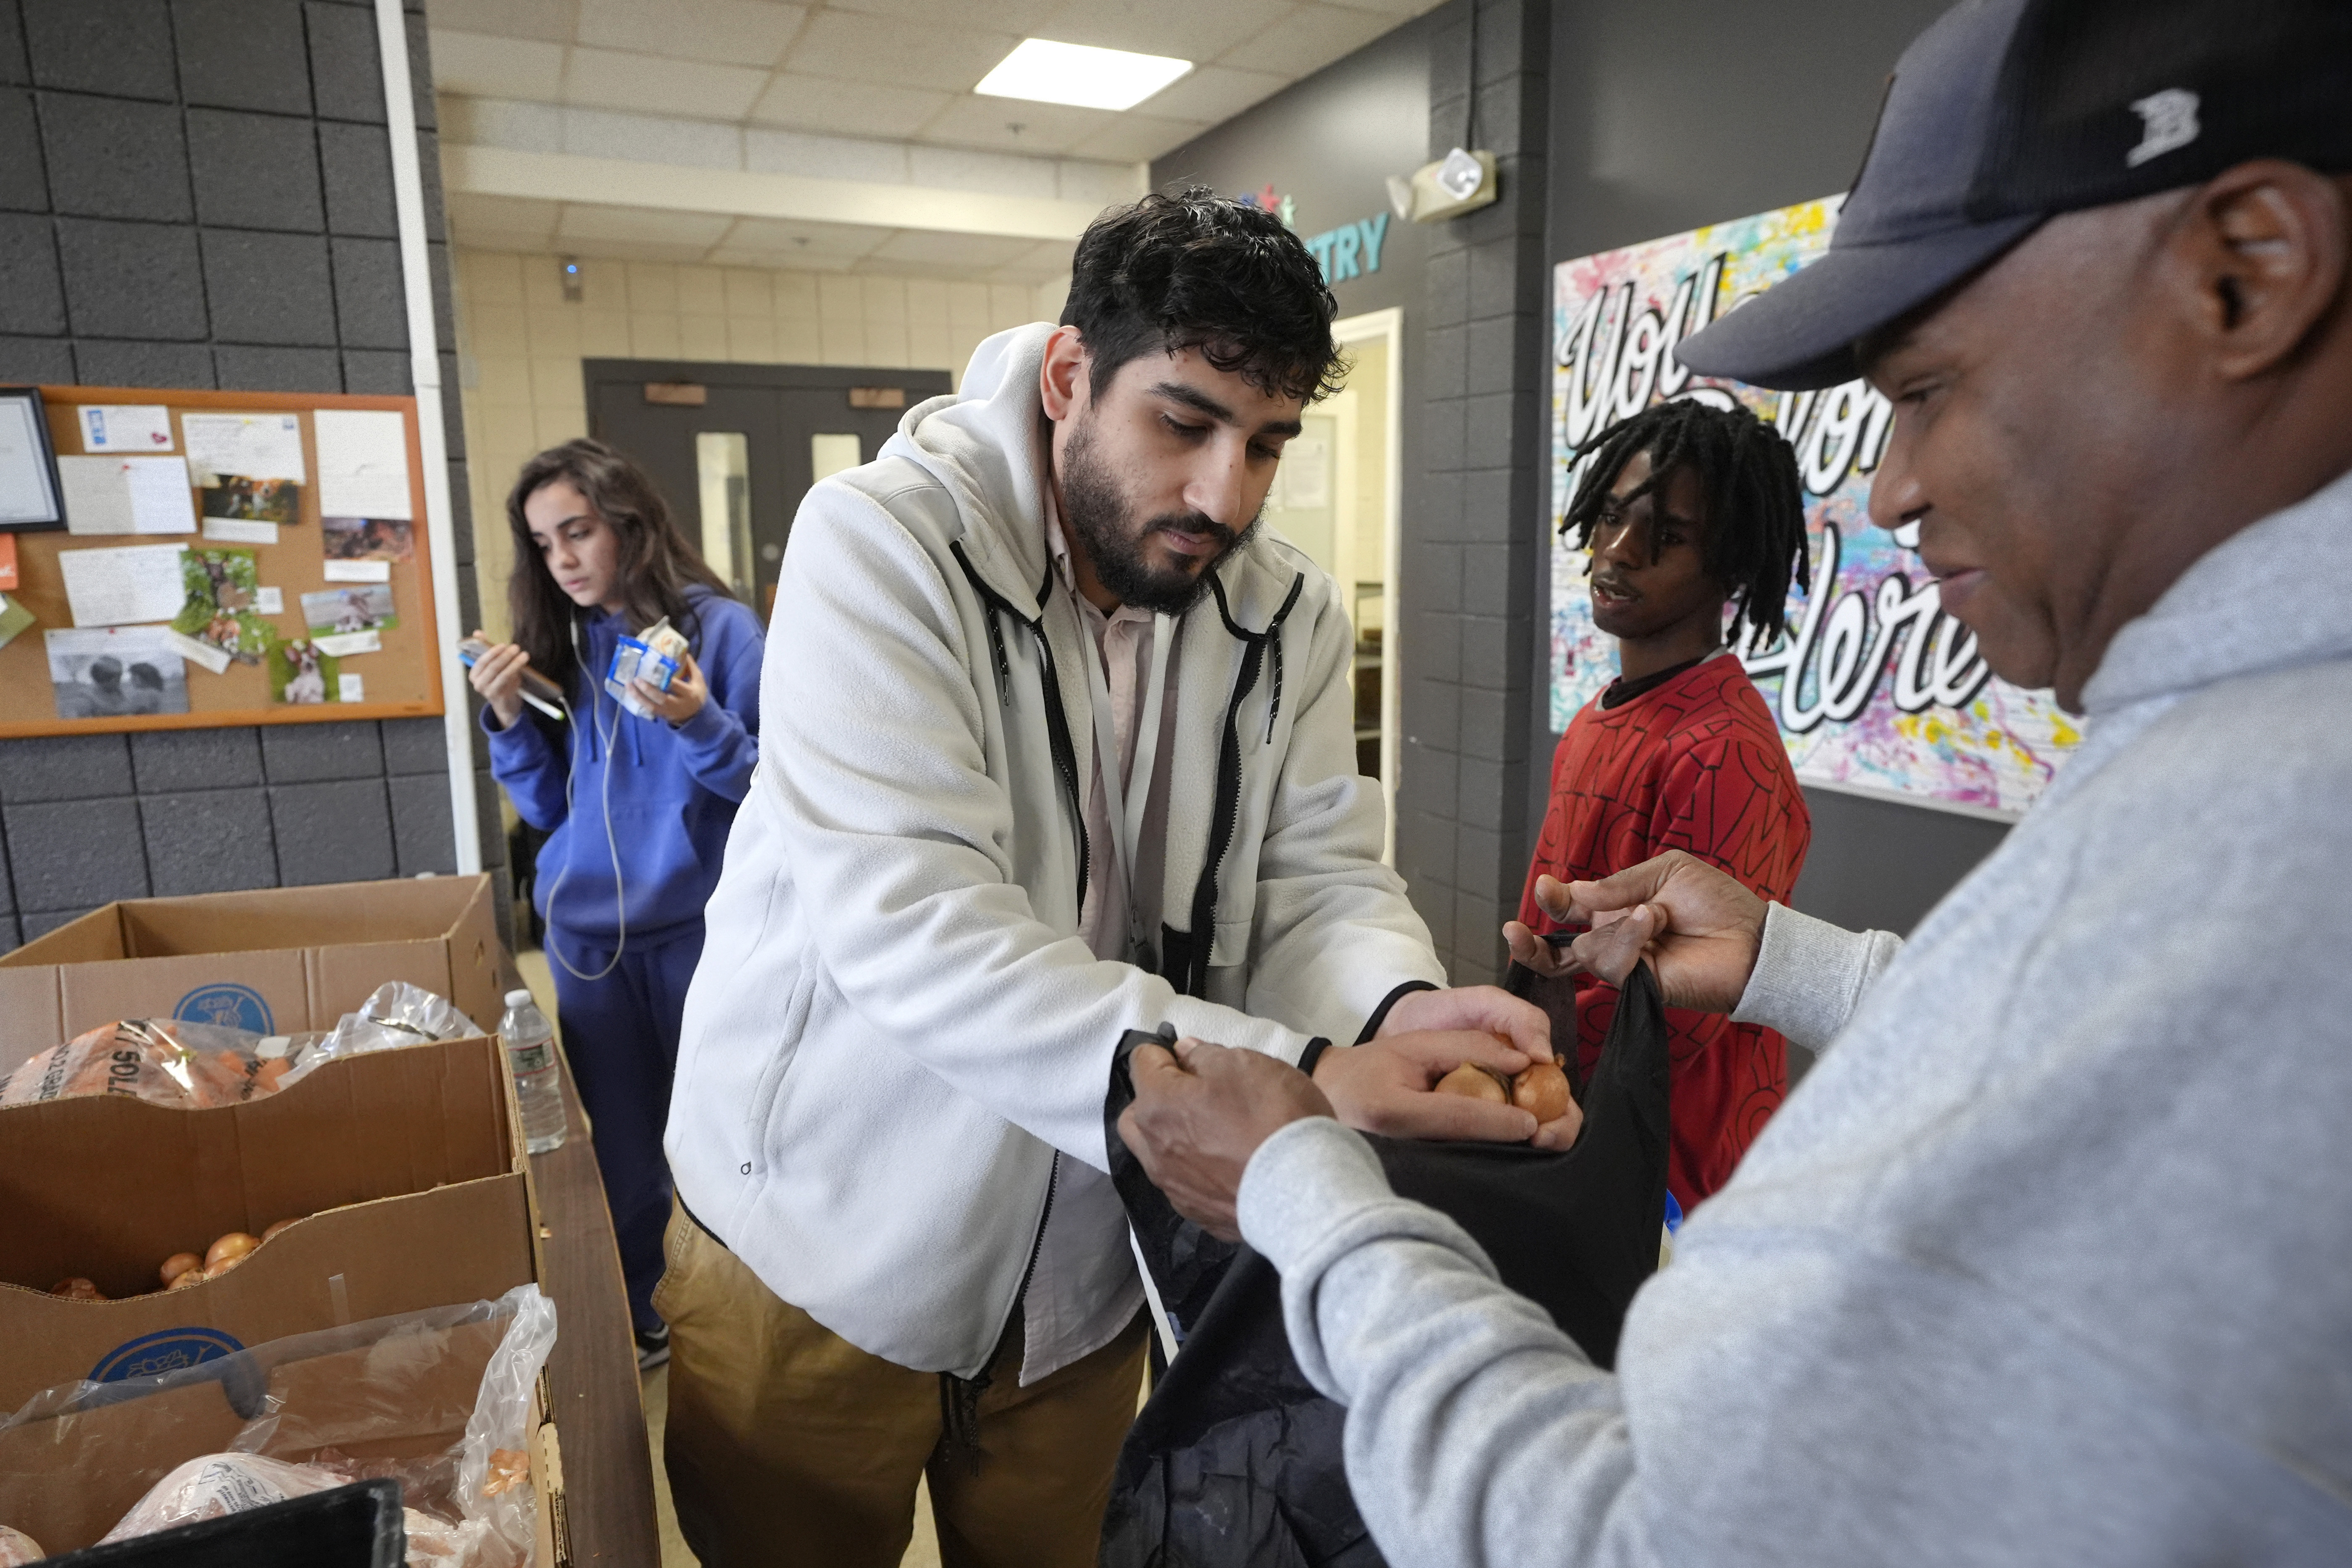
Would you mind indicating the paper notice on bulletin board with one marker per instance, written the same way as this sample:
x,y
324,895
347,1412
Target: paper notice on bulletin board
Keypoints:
x,y
126,495
119,587
125,427
252,445
362,463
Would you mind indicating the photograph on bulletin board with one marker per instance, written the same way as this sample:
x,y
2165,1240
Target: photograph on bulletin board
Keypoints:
x,y
369,539
223,611
217,558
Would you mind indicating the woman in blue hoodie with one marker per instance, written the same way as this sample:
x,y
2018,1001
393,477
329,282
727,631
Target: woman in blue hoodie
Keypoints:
x,y
637,808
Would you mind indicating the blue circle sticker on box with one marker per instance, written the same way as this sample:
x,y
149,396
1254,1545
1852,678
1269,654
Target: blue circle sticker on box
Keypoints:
x,y
167,1350
229,1005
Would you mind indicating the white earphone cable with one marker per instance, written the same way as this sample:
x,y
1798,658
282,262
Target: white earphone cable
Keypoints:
x,y
612,843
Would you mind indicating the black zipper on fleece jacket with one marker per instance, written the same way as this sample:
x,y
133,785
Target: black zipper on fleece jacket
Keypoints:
x,y
1190,971
960,1396
1057,722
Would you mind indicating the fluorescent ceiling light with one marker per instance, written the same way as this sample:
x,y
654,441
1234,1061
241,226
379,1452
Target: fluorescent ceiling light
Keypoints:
x,y
1078,73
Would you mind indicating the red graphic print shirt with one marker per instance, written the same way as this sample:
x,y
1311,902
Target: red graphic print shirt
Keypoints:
x,y
1696,764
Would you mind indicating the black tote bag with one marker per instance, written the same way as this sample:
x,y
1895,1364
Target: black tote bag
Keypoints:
x,y
1236,1460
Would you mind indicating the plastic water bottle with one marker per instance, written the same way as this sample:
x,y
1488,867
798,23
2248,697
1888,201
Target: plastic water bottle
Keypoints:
x,y
531,1055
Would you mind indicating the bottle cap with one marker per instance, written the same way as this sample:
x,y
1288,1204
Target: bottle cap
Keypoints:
x,y
518,999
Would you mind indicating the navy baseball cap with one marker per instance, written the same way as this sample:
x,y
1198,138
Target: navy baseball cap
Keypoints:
x,y
2006,113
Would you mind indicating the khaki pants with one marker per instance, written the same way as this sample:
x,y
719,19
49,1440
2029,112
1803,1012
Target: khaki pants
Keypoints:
x,y
788,1445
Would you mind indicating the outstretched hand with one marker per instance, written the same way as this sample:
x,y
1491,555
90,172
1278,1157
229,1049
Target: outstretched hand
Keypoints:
x,y
1200,1112
1698,925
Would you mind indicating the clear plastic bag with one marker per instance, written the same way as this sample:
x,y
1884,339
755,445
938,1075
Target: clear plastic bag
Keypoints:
x,y
438,1400
165,1061
398,1014
217,1484
195,1066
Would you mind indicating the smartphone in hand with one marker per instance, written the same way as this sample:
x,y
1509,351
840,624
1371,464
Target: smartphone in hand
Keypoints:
x,y
537,689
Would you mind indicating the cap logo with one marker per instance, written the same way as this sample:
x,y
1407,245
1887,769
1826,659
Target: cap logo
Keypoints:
x,y
2167,121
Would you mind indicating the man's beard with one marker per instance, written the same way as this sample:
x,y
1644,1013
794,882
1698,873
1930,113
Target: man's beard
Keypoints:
x,y
1097,515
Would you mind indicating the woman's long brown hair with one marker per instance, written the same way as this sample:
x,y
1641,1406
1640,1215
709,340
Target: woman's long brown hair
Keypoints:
x,y
658,563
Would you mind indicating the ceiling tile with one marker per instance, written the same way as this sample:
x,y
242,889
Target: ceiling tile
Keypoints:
x,y
1309,38
997,174
785,237
1044,128
1023,17
974,252
476,219
650,225
776,260
1103,184
730,32
1132,139
696,144
548,19
608,79
855,48
491,67
843,107
1195,30
635,250
824,157
1399,10
1212,93
495,122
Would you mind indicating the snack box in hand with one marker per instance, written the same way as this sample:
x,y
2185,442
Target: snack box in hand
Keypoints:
x,y
404,1170
276,960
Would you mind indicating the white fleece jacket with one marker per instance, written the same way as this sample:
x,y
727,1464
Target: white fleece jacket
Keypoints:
x,y
895,1024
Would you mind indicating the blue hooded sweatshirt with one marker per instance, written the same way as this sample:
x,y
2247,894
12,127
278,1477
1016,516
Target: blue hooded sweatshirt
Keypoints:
x,y
673,791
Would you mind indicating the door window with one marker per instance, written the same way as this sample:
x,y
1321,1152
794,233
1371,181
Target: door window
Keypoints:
x,y
722,464
830,454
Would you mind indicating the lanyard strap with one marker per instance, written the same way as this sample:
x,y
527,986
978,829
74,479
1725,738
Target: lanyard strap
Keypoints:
x,y
1127,809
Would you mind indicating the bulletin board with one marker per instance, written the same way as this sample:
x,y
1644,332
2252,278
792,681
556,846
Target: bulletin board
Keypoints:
x,y
277,674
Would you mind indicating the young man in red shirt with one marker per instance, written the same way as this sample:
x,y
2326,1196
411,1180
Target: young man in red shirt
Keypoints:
x,y
1696,528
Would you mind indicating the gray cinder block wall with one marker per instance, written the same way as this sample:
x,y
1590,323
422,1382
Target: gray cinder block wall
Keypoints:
x,y
198,193
1472,588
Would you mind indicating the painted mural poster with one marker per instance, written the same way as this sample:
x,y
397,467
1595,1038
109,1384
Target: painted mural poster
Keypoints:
x,y
1875,688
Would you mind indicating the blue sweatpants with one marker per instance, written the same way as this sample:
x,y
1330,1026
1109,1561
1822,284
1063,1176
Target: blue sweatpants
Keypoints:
x,y
620,1035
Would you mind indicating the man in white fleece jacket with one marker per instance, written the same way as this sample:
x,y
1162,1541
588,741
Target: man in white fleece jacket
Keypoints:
x,y
1055,744
2039,1265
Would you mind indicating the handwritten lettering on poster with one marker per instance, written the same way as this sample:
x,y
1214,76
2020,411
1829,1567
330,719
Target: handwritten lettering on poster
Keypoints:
x,y
1875,686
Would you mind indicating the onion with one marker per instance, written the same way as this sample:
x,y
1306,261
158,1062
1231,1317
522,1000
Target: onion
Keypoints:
x,y
229,1249
179,1263
1543,1089
1473,1082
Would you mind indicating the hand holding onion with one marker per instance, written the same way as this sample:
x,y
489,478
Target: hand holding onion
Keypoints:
x,y
1540,1090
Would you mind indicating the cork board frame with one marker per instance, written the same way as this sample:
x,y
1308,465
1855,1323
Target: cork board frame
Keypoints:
x,y
402,679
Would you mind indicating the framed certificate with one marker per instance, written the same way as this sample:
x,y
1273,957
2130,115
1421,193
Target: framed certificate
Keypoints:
x,y
28,464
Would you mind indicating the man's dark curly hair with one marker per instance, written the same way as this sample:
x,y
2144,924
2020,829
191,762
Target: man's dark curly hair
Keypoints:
x,y
1755,544
1199,271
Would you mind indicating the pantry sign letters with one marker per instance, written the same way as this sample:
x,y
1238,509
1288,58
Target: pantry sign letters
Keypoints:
x,y
1875,686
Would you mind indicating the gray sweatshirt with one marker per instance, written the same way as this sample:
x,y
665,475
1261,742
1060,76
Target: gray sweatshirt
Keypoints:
x,y
2042,1263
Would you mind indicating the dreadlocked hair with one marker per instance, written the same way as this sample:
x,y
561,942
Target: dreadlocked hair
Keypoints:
x,y
1755,544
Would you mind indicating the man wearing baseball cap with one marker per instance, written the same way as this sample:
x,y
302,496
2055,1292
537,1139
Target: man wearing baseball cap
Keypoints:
x,y
2041,1265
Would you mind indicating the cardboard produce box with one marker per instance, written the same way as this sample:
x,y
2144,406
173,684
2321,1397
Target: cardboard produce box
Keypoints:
x,y
276,960
408,1164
